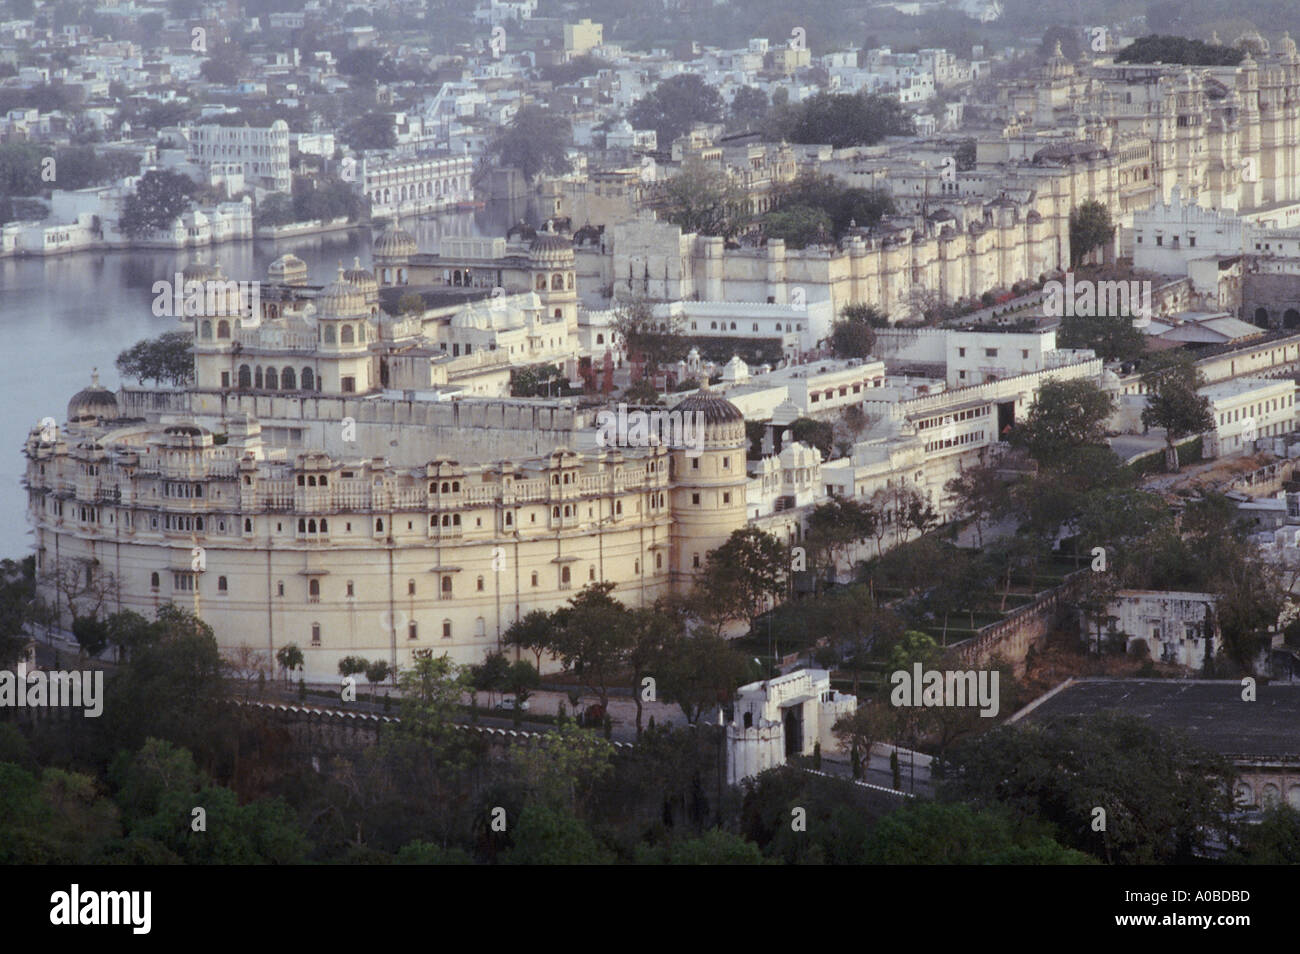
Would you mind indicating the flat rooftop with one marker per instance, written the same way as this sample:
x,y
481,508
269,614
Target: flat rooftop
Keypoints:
x,y
1210,712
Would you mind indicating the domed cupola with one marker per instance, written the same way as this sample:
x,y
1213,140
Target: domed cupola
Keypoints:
x,y
341,299
93,404
365,281
392,252
551,249
395,243
713,408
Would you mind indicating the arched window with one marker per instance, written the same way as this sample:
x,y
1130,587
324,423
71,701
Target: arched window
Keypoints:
x,y
272,380
308,380
446,587
206,333
557,282
565,575
315,634
302,525
555,512
410,587
412,631
346,336
311,526
534,579
569,281
329,334
361,333
313,590
245,376
153,580
541,283
288,381
248,525
257,378
379,525
223,328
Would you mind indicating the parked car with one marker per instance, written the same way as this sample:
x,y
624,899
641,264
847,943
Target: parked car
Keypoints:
x,y
509,704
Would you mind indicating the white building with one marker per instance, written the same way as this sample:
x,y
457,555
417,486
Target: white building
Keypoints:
x,y
411,186
263,151
1172,624
780,717
1247,410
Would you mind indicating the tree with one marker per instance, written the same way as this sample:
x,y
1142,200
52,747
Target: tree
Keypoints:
x,y
1065,415
563,767
521,679
674,106
173,687
168,358
1090,227
591,636
159,199
847,207
854,336
1178,49
536,141
1174,403
489,676
859,731
290,658
1164,799
532,633
1112,337
926,833
845,119
742,575
703,199
749,106
700,671
979,493
799,226
656,340
714,847
544,835
836,525
370,131
813,433
411,303
376,672
652,630
1274,840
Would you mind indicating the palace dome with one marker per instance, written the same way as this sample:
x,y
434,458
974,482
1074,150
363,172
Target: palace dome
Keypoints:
x,y
341,299
714,408
395,242
92,403
550,248
362,278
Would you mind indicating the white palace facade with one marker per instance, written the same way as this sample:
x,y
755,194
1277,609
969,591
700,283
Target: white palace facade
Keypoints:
x,y
292,496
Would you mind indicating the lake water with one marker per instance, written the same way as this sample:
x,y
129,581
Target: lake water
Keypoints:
x,y
61,317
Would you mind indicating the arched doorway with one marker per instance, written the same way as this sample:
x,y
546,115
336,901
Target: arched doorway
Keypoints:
x,y
1261,317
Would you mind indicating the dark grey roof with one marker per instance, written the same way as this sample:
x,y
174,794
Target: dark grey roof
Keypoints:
x,y
1210,712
